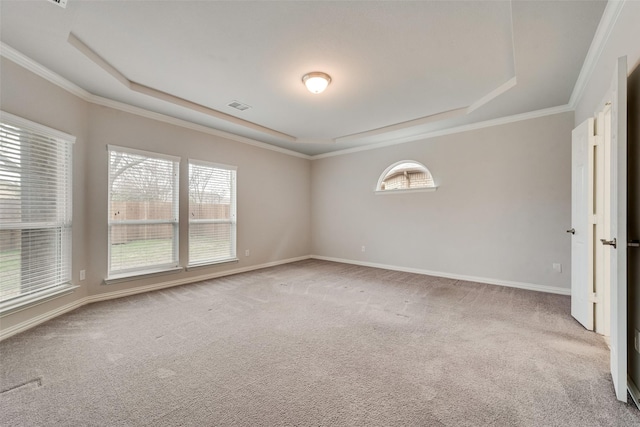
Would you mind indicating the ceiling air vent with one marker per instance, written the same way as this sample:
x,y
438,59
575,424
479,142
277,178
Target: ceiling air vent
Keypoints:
x,y
61,3
238,105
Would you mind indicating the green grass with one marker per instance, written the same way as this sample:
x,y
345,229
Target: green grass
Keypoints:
x,y
9,274
138,253
208,248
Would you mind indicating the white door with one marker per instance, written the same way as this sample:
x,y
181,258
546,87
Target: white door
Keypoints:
x,y
616,243
582,138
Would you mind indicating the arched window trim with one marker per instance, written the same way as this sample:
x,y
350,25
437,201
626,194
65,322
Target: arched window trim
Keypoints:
x,y
384,174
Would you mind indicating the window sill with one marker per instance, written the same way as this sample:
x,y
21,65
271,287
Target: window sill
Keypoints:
x,y
126,277
409,190
213,263
27,301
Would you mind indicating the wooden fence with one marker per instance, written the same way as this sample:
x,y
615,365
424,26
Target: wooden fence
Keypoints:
x,y
150,210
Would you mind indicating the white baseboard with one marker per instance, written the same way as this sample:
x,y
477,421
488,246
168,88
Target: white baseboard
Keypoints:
x,y
510,284
23,326
35,321
168,284
28,324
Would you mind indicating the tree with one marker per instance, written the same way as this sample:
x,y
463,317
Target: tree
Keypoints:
x,y
134,177
208,187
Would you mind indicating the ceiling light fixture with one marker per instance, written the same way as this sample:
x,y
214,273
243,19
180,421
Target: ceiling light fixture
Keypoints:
x,y
316,82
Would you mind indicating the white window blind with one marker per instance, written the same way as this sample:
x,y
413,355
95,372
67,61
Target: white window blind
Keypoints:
x,y
143,212
35,210
212,213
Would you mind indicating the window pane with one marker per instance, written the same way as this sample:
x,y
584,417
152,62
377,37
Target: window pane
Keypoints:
x,y
212,213
135,246
210,192
143,211
33,259
406,175
9,263
147,184
35,210
210,242
122,210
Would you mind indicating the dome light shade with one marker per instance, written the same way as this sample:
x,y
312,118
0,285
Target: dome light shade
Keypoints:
x,y
317,81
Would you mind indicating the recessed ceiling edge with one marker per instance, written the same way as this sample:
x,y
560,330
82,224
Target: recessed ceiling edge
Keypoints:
x,y
163,96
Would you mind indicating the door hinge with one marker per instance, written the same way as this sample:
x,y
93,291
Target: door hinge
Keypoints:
x,y
594,298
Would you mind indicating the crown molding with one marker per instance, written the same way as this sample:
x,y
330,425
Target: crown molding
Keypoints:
x,y
605,27
14,120
443,115
434,117
449,131
36,68
40,70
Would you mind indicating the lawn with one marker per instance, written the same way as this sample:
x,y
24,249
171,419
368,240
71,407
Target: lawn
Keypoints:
x,y
138,253
9,274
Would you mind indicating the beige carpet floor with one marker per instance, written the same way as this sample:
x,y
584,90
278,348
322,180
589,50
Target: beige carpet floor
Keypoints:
x,y
314,343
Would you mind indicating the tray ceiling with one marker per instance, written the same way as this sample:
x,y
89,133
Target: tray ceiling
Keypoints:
x,y
398,68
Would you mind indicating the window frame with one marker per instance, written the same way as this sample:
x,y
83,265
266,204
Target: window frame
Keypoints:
x,y
383,176
134,272
232,221
64,239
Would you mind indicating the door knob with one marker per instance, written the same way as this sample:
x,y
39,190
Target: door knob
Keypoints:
x,y
609,242
634,243
572,231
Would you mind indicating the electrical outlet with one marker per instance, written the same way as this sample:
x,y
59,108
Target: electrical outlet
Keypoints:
x,y
557,268
363,248
636,341
83,274
246,252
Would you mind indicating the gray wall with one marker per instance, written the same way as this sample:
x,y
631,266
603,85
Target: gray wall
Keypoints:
x,y
500,212
273,188
273,192
33,98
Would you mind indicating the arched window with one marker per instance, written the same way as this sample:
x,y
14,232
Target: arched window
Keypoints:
x,y
407,175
